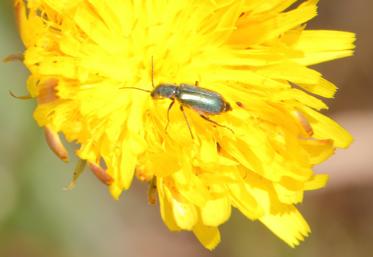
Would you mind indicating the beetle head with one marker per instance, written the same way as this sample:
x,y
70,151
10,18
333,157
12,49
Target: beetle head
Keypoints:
x,y
164,91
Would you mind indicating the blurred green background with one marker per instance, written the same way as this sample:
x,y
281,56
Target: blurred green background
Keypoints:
x,y
39,219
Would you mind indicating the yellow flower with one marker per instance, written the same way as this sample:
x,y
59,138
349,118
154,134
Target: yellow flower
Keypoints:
x,y
85,56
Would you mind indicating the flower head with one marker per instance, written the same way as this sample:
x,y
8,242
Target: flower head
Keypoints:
x,y
92,71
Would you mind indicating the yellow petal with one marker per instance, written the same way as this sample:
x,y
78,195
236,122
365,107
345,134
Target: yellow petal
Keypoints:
x,y
185,214
244,201
324,45
290,226
318,150
30,26
289,191
216,212
326,128
292,72
316,182
322,88
166,206
208,236
280,23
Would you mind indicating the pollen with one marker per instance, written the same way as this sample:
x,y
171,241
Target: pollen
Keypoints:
x,y
256,54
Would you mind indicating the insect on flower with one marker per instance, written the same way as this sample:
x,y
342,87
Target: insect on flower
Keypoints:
x,y
204,101
82,53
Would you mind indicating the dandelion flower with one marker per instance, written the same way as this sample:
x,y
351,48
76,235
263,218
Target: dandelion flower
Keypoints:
x,y
257,157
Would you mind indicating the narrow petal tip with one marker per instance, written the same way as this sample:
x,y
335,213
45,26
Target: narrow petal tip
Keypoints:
x,y
55,144
100,173
14,57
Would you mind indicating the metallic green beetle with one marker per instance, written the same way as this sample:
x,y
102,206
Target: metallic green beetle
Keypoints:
x,y
202,100
205,102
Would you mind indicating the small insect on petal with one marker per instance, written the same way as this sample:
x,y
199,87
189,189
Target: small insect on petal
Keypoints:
x,y
100,173
55,144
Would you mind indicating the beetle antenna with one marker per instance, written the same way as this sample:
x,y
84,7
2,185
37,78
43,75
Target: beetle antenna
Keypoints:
x,y
152,72
137,88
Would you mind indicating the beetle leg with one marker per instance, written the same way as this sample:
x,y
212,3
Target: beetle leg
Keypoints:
x,y
196,83
215,123
78,170
168,114
186,119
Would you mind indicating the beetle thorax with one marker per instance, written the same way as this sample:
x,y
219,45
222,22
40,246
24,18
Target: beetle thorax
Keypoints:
x,y
164,91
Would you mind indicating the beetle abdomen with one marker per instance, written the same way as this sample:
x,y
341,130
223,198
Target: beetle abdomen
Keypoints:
x,y
201,99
